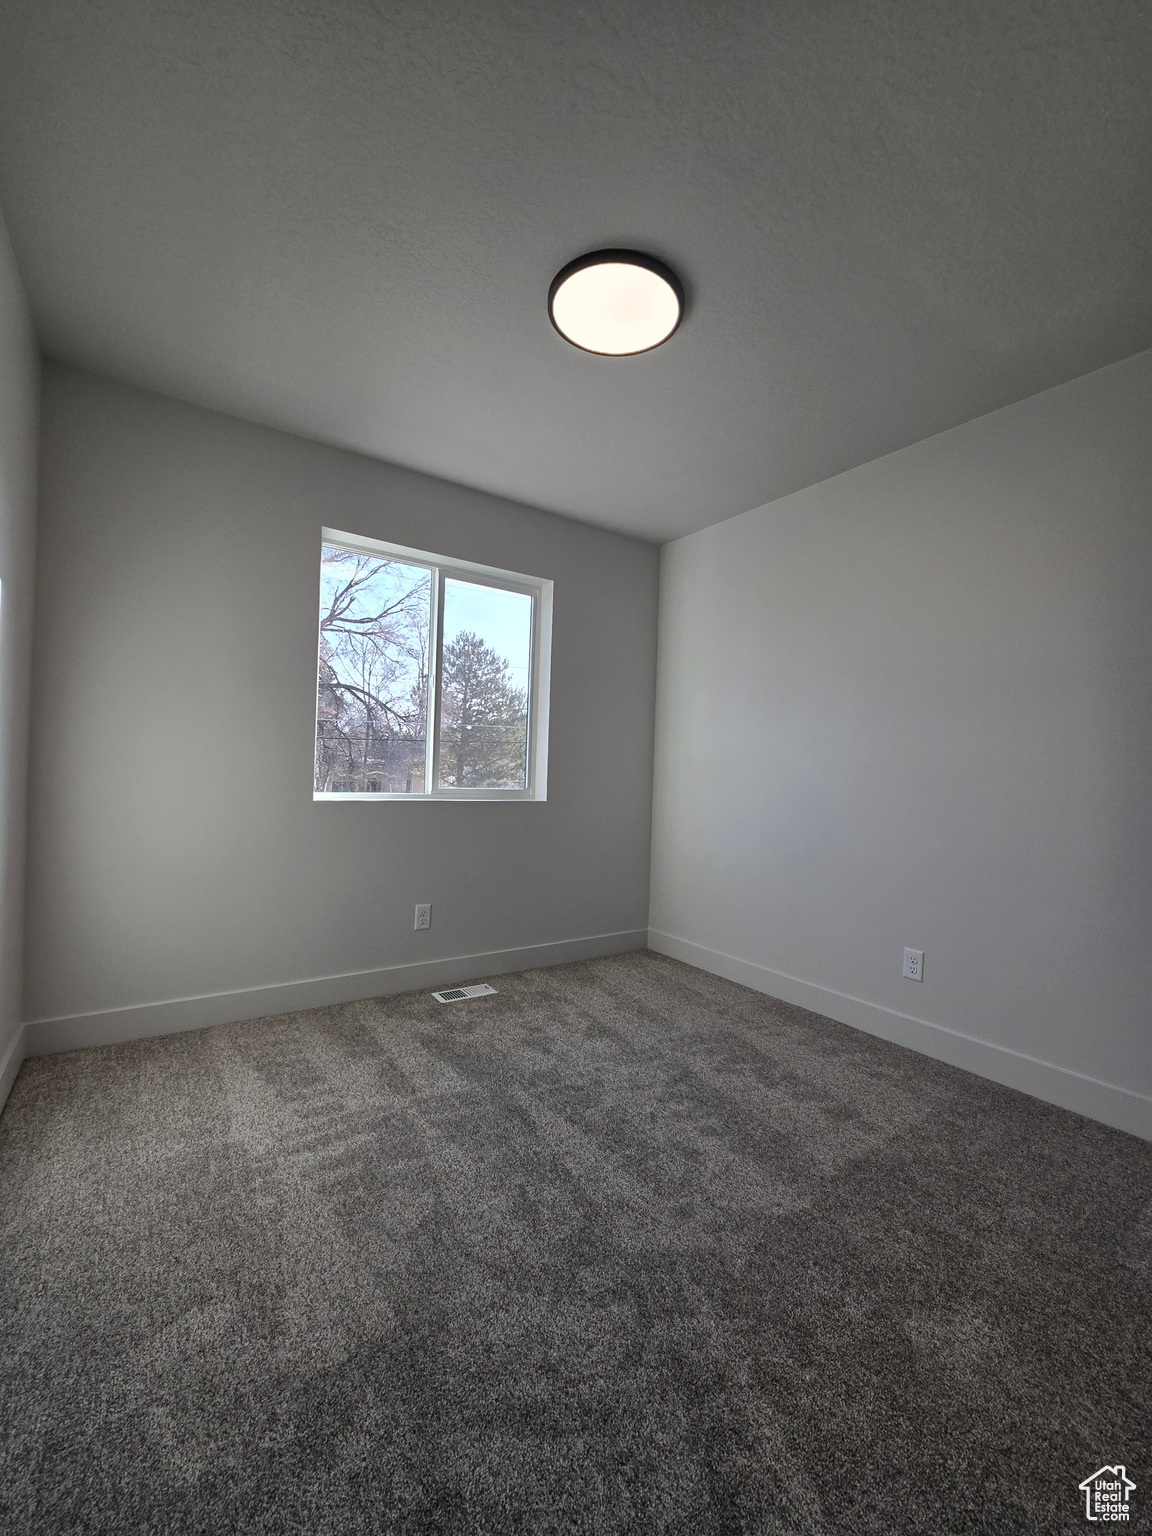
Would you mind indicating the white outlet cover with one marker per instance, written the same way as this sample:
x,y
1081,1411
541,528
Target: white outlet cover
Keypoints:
x,y
914,964
423,916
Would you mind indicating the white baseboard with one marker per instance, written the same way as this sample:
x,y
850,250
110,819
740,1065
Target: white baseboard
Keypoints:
x,y
1114,1106
10,1063
80,1030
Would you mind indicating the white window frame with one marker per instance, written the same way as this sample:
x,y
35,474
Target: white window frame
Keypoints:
x,y
539,668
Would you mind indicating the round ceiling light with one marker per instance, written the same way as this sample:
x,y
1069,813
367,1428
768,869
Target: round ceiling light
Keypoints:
x,y
615,302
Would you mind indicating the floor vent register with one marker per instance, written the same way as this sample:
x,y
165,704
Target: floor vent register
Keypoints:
x,y
457,994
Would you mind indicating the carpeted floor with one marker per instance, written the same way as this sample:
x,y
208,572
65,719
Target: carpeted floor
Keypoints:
x,y
625,1248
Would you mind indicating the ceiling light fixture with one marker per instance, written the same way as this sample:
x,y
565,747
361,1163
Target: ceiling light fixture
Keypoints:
x,y
616,303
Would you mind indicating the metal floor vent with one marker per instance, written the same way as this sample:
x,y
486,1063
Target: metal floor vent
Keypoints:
x,y
454,994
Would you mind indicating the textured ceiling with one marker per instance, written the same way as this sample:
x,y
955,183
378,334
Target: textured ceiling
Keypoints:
x,y
342,217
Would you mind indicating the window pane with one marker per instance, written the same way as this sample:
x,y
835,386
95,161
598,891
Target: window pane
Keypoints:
x,y
372,688
484,687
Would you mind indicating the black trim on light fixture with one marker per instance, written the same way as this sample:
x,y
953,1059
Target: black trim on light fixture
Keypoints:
x,y
625,258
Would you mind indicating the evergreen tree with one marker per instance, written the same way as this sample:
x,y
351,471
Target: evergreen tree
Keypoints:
x,y
484,719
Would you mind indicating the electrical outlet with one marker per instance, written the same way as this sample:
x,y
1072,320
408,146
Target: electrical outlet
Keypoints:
x,y
423,915
913,964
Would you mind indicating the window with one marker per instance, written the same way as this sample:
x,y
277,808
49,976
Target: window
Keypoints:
x,y
433,676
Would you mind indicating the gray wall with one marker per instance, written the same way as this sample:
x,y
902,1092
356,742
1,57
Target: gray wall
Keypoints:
x,y
19,402
175,851
911,706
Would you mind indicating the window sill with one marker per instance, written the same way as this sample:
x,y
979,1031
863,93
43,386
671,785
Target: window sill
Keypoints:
x,y
437,796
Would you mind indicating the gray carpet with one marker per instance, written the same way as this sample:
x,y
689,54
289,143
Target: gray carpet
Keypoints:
x,y
626,1248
